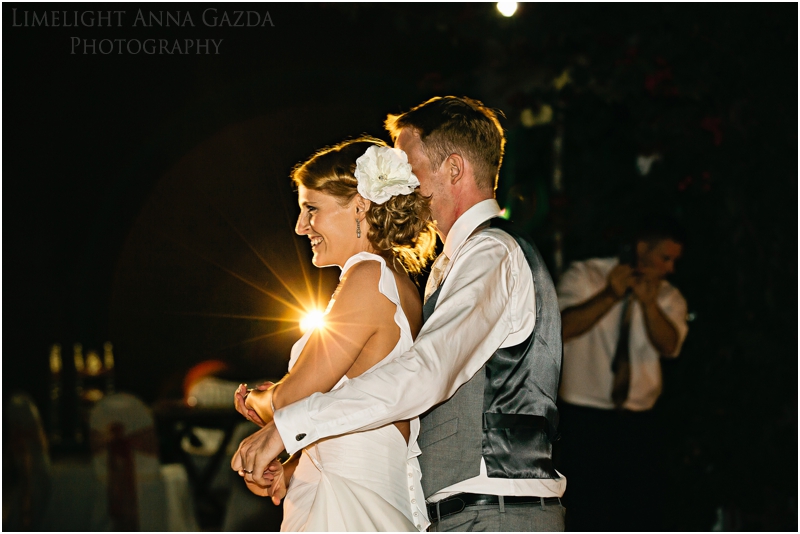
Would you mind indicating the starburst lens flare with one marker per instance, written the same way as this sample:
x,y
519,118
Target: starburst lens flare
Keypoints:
x,y
507,8
313,319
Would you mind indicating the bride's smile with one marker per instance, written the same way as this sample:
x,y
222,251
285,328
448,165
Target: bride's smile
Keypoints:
x,y
330,227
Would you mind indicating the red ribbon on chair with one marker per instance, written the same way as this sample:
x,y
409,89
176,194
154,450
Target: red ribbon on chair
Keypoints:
x,y
122,498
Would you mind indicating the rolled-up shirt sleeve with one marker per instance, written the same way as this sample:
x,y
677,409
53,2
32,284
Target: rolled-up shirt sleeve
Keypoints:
x,y
470,322
575,287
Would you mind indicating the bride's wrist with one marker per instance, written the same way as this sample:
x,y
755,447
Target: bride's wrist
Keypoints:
x,y
260,401
272,391
270,395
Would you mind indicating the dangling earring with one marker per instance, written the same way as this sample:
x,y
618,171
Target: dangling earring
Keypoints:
x,y
358,229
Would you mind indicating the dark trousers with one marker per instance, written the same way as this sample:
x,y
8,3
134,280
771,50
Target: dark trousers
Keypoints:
x,y
513,518
613,464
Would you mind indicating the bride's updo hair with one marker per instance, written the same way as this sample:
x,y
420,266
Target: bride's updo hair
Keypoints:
x,y
401,226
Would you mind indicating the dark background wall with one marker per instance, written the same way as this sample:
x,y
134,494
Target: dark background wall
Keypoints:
x,y
146,199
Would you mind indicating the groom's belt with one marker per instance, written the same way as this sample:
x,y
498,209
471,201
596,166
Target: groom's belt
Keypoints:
x,y
456,503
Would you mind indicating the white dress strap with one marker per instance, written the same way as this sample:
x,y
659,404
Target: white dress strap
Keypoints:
x,y
387,286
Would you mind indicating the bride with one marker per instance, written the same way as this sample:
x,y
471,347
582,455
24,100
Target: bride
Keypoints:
x,y
362,211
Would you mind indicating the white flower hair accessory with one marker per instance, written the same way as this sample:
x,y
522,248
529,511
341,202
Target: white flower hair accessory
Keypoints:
x,y
383,172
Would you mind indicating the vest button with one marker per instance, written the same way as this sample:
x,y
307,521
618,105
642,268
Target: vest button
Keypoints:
x,y
299,437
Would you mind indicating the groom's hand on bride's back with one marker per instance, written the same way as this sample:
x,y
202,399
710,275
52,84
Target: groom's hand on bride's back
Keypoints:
x,y
239,401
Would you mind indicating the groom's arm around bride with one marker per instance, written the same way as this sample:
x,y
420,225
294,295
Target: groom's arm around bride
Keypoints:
x,y
485,367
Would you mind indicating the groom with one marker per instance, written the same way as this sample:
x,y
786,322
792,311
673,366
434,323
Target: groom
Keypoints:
x,y
484,370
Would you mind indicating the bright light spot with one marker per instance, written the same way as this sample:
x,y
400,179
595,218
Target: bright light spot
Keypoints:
x,y
191,401
312,320
507,8
505,213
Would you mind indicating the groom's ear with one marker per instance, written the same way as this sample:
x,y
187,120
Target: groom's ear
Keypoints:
x,y
362,205
454,167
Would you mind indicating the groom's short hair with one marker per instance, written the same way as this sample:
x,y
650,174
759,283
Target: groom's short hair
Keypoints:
x,y
452,125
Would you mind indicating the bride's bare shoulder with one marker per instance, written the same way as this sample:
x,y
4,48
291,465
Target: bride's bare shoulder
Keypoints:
x,y
362,275
359,284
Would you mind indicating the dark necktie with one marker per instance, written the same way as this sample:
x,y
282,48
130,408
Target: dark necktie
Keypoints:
x,y
621,366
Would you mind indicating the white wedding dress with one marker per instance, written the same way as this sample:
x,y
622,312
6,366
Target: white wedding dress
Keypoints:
x,y
365,481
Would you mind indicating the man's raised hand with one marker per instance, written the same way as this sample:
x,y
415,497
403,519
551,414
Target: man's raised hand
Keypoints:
x,y
620,279
646,285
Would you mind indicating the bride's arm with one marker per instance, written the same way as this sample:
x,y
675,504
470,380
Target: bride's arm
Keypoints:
x,y
355,316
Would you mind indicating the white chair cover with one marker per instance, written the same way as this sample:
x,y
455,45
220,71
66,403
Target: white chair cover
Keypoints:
x,y
142,495
29,458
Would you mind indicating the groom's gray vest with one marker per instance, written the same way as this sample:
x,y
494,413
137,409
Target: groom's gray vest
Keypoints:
x,y
507,411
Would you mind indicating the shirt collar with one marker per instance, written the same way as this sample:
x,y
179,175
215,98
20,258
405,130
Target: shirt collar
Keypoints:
x,y
468,222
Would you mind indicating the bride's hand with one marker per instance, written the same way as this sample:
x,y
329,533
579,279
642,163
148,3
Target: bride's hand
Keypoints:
x,y
240,402
259,401
272,484
279,485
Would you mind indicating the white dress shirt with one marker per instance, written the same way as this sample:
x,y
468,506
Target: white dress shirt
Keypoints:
x,y
486,302
587,379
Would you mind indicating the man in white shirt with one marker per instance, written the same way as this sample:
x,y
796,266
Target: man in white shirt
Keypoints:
x,y
619,319
486,363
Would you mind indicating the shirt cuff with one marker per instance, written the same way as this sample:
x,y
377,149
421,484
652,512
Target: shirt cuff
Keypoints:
x,y
295,426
